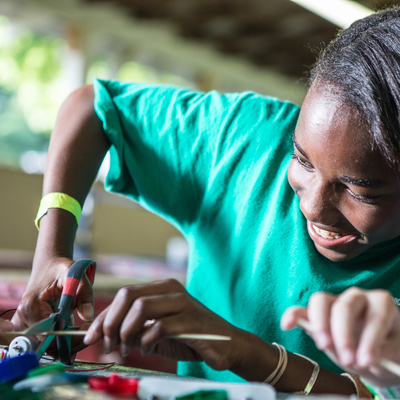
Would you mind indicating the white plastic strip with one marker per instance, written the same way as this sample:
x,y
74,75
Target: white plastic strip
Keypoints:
x,y
340,12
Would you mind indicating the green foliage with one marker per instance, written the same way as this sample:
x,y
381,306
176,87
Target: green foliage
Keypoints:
x,y
32,87
30,73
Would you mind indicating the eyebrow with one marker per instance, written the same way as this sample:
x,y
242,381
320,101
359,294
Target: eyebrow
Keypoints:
x,y
368,183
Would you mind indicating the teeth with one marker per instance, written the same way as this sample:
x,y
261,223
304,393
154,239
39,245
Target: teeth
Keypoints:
x,y
327,234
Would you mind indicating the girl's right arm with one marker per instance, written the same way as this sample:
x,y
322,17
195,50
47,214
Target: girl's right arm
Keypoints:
x,y
77,147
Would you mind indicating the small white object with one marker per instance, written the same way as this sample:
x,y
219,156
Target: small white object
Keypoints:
x,y
19,346
165,388
177,252
340,12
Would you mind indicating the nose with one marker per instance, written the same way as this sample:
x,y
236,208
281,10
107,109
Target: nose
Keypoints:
x,y
319,203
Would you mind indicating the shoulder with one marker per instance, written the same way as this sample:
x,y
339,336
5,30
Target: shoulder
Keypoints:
x,y
215,98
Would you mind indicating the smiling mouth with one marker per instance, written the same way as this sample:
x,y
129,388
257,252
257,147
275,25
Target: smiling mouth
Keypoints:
x,y
327,234
330,240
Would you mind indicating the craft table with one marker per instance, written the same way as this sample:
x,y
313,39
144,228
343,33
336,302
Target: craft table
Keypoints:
x,y
81,391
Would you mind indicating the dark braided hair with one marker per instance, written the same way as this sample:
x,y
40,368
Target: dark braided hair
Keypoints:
x,y
363,66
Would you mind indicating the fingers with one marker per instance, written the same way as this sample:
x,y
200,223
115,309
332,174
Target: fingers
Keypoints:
x,y
84,299
291,315
381,325
319,310
346,324
145,308
43,291
355,329
30,310
318,316
95,332
123,320
161,329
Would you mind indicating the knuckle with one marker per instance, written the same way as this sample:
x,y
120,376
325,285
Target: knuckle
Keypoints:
x,y
353,292
349,297
139,305
159,329
174,284
385,297
125,336
319,298
181,297
23,308
124,293
108,328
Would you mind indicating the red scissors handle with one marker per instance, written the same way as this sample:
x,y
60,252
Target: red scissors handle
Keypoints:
x,y
68,302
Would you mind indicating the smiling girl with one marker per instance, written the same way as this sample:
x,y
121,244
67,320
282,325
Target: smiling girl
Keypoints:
x,y
275,203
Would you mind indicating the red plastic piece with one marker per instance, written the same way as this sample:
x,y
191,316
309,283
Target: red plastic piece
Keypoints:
x,y
3,354
114,384
70,286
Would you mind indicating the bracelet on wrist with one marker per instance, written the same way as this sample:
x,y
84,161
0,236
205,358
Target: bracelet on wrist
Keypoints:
x,y
58,200
277,373
362,390
313,378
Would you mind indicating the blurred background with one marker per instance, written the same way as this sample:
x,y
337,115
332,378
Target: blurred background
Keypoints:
x,y
48,48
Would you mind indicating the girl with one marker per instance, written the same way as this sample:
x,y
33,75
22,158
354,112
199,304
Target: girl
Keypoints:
x,y
276,204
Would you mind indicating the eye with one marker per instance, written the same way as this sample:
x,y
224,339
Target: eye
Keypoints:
x,y
363,199
303,163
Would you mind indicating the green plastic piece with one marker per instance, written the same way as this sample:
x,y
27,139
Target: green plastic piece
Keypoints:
x,y
205,395
55,369
7,392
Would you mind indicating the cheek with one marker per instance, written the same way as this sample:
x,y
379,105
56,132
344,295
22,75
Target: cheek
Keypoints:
x,y
381,223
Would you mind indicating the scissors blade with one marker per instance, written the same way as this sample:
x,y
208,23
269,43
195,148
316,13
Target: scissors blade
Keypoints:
x,y
47,325
42,326
44,345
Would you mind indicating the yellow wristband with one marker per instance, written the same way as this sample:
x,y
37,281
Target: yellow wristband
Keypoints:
x,y
58,200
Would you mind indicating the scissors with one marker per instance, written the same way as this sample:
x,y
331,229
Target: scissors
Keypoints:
x,y
58,321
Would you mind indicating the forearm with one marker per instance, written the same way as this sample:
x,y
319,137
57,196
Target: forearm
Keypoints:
x,y
259,359
77,147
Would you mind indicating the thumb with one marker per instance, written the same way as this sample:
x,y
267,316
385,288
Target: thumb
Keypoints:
x,y
84,299
290,316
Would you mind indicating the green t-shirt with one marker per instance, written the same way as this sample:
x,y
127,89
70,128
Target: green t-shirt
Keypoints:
x,y
215,166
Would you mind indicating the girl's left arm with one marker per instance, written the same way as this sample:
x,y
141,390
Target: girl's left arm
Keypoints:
x,y
172,310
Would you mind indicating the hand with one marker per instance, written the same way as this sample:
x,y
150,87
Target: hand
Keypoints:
x,y
174,311
355,329
44,291
42,296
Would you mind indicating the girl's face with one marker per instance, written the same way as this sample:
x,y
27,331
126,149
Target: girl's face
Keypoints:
x,y
348,194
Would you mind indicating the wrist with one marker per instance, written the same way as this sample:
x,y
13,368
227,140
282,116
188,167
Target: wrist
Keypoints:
x,y
256,359
56,236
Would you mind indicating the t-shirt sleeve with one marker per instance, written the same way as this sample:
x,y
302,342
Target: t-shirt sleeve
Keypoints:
x,y
167,142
